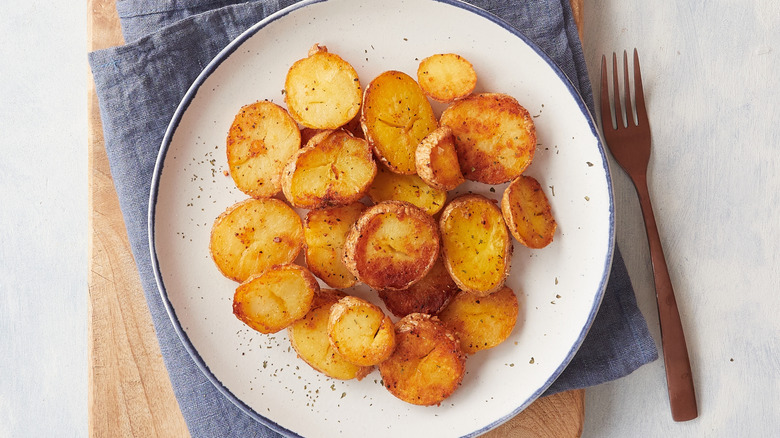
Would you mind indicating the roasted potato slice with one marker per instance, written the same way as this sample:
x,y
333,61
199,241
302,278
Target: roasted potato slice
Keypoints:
x,y
253,235
495,137
260,141
527,212
481,322
325,231
271,301
309,338
360,331
427,365
395,116
389,186
322,91
428,295
437,161
392,245
446,77
476,244
334,168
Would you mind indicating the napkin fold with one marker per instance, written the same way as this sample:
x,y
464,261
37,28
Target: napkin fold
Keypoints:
x,y
139,85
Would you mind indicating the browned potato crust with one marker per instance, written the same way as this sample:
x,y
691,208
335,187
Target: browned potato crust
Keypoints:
x,y
325,231
495,137
360,331
428,295
334,168
527,212
352,127
260,141
253,235
481,322
437,161
392,246
309,338
389,186
273,300
476,244
308,133
427,365
396,115
322,91
446,77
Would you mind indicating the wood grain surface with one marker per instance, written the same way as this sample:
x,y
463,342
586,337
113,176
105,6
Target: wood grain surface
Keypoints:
x,y
130,394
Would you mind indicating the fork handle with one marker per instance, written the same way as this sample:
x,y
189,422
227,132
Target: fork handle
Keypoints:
x,y
679,379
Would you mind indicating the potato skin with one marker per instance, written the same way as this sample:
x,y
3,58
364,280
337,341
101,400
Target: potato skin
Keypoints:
x,y
309,338
481,322
325,232
392,245
495,137
334,168
395,116
360,332
271,301
446,77
253,235
437,161
261,140
389,186
322,91
476,245
527,212
427,365
428,295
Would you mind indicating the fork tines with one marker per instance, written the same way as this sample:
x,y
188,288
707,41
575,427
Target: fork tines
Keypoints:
x,y
620,117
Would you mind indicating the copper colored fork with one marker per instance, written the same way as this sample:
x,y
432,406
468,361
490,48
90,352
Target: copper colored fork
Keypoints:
x,y
629,143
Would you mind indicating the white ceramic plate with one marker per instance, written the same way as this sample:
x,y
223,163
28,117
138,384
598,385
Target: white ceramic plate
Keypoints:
x,y
559,287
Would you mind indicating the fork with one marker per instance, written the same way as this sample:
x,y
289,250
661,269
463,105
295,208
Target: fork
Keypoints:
x,y
629,143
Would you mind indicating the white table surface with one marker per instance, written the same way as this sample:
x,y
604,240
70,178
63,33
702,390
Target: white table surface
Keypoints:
x,y
712,80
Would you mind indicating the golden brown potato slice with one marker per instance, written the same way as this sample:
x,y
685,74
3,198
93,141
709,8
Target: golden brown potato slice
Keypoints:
x,y
427,365
476,244
260,141
273,300
495,137
253,235
527,212
481,322
396,115
428,295
360,331
322,91
446,77
389,186
436,160
309,338
392,245
334,168
325,231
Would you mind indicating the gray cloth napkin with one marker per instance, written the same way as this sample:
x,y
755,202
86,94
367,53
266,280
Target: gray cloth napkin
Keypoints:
x,y
139,86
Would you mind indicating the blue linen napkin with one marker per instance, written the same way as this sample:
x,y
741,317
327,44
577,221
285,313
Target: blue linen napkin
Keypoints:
x,y
139,86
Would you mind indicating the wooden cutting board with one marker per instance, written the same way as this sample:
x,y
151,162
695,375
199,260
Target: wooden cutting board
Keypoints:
x,y
130,394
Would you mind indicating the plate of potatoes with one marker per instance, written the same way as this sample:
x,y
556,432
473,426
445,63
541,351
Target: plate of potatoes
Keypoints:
x,y
368,222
